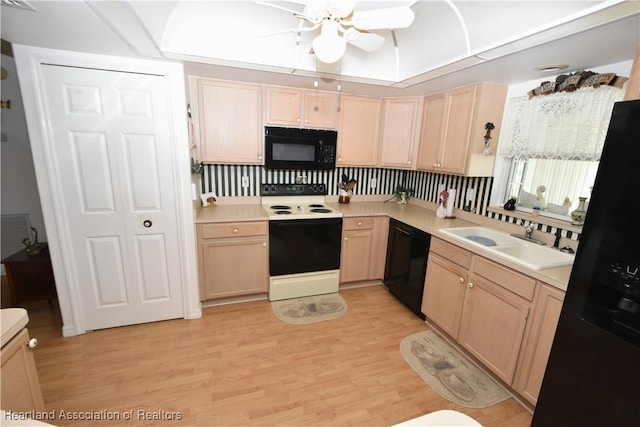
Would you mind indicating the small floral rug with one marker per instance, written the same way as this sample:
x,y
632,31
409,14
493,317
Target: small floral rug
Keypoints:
x,y
448,373
300,311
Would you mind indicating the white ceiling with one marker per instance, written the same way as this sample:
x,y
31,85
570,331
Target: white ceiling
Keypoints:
x,y
508,40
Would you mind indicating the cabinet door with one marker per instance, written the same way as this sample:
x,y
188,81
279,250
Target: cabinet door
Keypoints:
x,y
492,327
399,131
379,248
432,132
538,341
232,267
444,289
20,384
633,86
284,106
358,132
458,130
230,122
356,251
320,110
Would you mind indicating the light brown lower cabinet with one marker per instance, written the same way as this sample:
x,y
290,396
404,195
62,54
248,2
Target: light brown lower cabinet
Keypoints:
x,y
492,325
364,243
20,384
538,340
233,259
505,319
445,285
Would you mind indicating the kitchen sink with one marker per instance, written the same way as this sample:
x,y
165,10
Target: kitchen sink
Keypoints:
x,y
529,254
535,256
482,236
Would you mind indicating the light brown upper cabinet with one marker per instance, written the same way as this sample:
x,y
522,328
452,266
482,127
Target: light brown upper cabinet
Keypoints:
x,y
301,108
453,129
400,131
229,122
358,133
633,85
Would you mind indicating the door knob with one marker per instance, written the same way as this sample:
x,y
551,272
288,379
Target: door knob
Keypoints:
x,y
146,223
32,343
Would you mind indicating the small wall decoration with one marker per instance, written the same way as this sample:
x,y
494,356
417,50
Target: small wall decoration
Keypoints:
x,y
573,81
487,138
208,199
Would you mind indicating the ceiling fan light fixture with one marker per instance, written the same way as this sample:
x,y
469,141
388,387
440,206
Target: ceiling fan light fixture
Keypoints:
x,y
329,46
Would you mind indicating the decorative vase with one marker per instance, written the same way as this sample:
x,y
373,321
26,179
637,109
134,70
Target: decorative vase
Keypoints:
x,y
577,216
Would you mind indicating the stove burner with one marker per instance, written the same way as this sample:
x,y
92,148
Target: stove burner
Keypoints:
x,y
316,206
320,210
283,212
280,207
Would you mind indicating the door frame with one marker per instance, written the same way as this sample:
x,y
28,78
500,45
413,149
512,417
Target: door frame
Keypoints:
x,y
29,62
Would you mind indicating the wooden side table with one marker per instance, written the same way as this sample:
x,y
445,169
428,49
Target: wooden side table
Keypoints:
x,y
30,277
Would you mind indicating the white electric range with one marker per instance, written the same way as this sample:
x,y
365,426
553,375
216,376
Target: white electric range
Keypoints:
x,y
304,240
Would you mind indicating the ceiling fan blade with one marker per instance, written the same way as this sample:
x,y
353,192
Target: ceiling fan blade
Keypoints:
x,y
292,30
365,41
340,8
286,9
316,9
394,17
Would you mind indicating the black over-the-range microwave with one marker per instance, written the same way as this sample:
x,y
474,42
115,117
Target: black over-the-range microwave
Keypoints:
x,y
294,148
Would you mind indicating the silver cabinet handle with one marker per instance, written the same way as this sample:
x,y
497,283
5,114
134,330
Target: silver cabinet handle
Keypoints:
x,y
461,280
471,285
32,343
235,231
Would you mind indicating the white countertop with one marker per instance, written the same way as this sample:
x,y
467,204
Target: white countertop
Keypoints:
x,y
13,320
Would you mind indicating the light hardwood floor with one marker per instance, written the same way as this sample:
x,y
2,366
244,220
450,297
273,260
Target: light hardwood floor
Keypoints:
x,y
240,365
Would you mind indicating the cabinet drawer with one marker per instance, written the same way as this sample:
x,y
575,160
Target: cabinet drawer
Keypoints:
x,y
451,252
360,223
233,229
515,282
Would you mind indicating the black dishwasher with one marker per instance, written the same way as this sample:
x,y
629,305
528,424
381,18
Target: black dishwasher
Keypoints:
x,y
406,266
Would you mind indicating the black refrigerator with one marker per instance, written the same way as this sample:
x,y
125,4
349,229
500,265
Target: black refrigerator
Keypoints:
x,y
593,373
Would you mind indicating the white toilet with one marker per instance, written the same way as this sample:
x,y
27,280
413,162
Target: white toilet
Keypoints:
x,y
442,418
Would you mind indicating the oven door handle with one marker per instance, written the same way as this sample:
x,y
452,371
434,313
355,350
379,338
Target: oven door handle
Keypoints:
x,y
312,222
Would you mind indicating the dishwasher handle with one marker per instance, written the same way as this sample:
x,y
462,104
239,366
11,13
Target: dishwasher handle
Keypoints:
x,y
403,231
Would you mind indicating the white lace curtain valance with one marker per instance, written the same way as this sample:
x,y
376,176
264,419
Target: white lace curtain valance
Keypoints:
x,y
564,125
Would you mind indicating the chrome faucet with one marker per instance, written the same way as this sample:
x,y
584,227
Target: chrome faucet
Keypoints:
x,y
528,230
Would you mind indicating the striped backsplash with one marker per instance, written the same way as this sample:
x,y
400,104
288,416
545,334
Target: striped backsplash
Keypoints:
x,y
226,181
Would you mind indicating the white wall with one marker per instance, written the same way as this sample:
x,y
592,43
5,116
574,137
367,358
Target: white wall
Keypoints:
x,y
19,187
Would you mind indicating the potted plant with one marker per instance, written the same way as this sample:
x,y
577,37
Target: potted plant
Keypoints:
x,y
402,194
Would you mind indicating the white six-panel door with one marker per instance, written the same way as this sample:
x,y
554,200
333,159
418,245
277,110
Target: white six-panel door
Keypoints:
x,y
111,136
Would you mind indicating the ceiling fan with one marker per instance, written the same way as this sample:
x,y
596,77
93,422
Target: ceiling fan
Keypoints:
x,y
339,24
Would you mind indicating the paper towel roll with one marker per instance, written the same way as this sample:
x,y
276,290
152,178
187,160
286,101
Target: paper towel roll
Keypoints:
x,y
451,201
